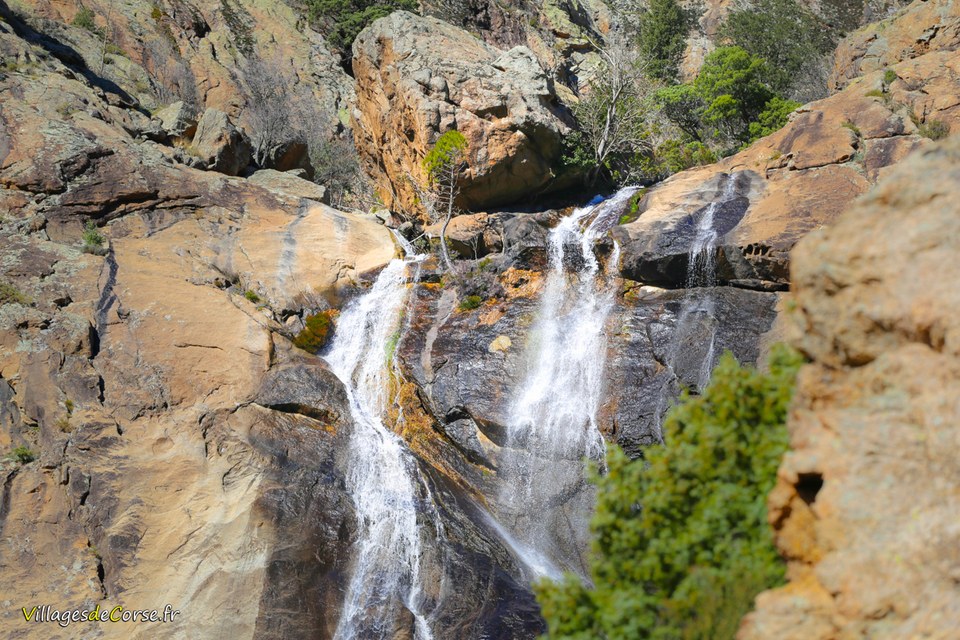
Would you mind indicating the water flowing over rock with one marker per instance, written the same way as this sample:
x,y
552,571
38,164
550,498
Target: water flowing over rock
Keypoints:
x,y
419,77
793,181
552,426
382,476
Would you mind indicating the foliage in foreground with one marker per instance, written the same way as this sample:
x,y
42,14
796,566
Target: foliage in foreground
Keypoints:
x,y
681,544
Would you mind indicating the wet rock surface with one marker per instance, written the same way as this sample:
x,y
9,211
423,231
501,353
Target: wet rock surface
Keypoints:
x,y
794,181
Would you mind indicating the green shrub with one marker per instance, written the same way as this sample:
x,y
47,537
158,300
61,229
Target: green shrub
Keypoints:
x,y
733,84
86,19
849,125
341,21
252,296
772,118
92,239
317,331
681,543
677,156
470,302
935,129
782,32
9,294
23,455
662,37
889,76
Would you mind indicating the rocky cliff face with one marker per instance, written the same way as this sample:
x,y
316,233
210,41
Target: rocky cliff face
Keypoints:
x,y
187,453
865,505
919,29
794,181
419,77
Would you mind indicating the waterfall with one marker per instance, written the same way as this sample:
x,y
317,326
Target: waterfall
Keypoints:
x,y
693,348
382,476
545,497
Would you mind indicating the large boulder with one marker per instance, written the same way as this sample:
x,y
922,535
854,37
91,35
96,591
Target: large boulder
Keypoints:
x,y
419,77
220,145
865,506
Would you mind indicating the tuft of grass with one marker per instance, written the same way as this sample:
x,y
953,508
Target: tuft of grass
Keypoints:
x,y
852,127
114,50
251,295
889,76
9,294
86,19
934,129
317,331
63,424
93,240
470,302
876,93
23,455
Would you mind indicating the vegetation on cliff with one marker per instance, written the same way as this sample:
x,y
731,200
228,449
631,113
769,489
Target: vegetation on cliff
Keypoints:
x,y
341,20
771,56
681,543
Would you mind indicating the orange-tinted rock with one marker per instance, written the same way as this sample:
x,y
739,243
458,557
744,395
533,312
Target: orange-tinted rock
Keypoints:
x,y
793,181
926,26
865,506
419,77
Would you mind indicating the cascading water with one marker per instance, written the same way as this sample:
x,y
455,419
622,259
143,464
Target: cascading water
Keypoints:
x,y
382,477
545,497
692,350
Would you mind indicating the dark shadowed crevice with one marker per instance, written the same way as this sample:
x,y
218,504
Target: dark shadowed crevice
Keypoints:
x,y
808,486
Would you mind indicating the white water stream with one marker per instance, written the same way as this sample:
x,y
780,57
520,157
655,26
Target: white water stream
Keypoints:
x,y
545,497
382,477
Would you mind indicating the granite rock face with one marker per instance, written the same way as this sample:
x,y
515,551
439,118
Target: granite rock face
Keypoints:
x,y
865,505
419,77
923,27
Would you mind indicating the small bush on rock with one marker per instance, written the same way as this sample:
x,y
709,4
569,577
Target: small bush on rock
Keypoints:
x,y
9,294
85,19
935,129
317,331
470,302
93,240
23,455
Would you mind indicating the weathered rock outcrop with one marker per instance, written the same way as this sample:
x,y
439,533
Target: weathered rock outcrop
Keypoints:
x,y
203,53
865,505
419,77
186,452
926,26
219,144
793,181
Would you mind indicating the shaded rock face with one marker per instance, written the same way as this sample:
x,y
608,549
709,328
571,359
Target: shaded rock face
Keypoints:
x,y
865,504
220,145
419,77
793,181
